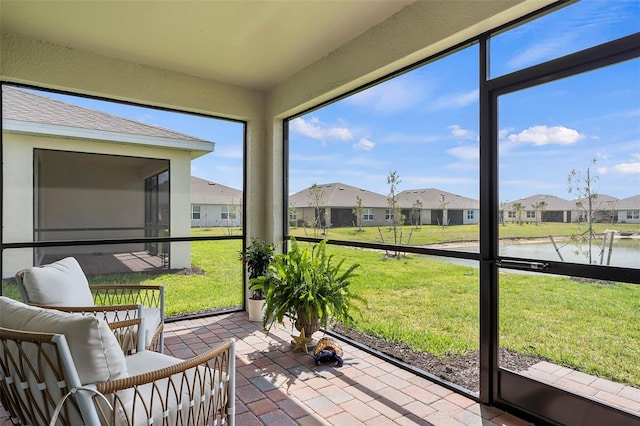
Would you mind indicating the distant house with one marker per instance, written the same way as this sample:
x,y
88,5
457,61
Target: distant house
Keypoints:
x,y
537,208
549,208
628,210
81,174
332,205
213,204
437,207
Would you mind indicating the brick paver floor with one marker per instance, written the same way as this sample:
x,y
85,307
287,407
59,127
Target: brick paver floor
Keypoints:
x,y
613,393
277,386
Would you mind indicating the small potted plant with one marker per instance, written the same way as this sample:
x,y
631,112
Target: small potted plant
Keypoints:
x,y
257,256
309,286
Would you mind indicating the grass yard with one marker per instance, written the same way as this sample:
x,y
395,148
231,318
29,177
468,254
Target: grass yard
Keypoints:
x,y
433,307
433,234
219,287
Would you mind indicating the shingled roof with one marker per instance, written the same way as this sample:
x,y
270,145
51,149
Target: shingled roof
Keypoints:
x,y
21,105
207,192
340,195
432,198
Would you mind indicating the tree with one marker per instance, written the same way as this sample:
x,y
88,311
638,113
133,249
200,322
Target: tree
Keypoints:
x,y
543,205
536,209
358,210
394,209
443,206
584,187
315,200
416,209
230,215
518,208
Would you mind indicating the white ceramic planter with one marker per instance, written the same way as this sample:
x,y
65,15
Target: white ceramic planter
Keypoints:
x,y
255,308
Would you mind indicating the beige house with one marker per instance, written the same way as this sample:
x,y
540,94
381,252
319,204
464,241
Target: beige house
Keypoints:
x,y
549,208
437,207
85,175
332,205
213,204
537,208
628,210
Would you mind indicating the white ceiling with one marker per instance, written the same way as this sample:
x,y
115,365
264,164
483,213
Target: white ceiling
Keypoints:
x,y
253,44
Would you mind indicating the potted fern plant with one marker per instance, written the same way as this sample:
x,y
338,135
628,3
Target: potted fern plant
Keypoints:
x,y
309,286
257,257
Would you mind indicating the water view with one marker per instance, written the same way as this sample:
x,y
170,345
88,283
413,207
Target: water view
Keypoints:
x,y
624,252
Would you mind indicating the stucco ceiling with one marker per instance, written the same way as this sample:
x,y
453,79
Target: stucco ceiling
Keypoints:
x,y
253,44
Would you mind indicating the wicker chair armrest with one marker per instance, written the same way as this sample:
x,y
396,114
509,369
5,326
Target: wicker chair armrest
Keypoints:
x,y
124,287
110,313
128,334
112,386
93,308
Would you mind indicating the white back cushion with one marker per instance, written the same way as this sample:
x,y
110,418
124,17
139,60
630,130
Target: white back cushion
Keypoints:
x,y
94,349
61,283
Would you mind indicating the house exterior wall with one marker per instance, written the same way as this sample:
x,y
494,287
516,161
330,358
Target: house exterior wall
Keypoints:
x,y
629,216
18,200
211,215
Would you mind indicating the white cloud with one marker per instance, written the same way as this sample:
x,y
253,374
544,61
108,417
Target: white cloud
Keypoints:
x,y
628,168
543,135
502,134
393,96
465,152
459,132
364,144
315,129
456,100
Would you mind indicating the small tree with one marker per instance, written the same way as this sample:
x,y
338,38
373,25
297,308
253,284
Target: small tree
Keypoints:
x,y
518,208
542,205
585,188
315,200
443,206
394,180
416,209
232,210
536,209
358,210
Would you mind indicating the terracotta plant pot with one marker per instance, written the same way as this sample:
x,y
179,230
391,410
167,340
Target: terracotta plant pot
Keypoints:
x,y
309,324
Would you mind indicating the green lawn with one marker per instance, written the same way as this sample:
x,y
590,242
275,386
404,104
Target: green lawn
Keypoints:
x,y
433,306
433,234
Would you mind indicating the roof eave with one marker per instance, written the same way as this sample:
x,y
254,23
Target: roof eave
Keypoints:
x,y
197,147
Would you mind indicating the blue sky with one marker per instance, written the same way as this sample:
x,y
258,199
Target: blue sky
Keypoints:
x,y
424,124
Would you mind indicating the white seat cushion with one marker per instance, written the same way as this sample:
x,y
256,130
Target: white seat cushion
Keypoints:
x,y
151,322
61,283
95,351
179,397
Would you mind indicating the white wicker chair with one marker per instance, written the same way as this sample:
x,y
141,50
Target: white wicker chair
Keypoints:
x,y
62,285
69,369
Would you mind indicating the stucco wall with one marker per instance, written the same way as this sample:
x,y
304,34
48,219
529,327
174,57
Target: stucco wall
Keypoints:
x,y
18,197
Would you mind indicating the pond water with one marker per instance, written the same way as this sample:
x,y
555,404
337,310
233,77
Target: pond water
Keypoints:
x,y
625,252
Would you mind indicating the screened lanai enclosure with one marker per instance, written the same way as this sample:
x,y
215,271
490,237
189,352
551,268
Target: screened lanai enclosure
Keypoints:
x,y
448,148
